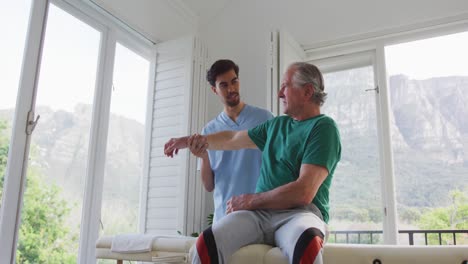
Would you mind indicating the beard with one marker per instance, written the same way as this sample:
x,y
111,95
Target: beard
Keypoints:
x,y
234,101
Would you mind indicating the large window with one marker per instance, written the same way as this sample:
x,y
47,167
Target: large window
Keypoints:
x,y
355,198
429,106
14,16
53,199
125,143
65,168
417,129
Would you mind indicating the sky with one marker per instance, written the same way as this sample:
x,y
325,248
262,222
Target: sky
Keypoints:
x,y
68,69
428,58
69,64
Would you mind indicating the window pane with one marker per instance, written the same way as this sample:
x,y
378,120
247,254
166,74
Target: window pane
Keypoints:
x,y
355,196
124,158
53,199
429,101
14,18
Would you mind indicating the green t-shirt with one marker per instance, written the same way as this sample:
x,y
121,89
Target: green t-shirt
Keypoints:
x,y
286,144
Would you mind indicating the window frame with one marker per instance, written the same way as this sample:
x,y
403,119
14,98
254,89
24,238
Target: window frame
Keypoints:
x,y
356,60
112,31
345,53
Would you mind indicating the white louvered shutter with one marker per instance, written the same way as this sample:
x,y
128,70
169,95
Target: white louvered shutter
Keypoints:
x,y
172,193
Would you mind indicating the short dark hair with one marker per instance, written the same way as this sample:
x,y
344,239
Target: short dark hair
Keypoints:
x,y
220,67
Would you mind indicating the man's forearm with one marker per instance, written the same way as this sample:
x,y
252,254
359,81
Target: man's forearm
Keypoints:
x,y
229,140
207,174
294,194
221,141
290,195
297,193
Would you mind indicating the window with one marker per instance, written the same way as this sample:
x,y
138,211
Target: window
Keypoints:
x,y
355,196
429,105
53,199
125,143
72,95
416,186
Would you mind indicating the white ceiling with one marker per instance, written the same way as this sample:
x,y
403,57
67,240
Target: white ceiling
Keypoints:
x,y
309,21
161,20
205,9
158,20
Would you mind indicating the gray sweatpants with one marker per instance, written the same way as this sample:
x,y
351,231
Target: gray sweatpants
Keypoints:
x,y
295,231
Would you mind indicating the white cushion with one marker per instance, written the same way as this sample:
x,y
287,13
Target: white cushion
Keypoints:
x,y
250,254
333,253
393,254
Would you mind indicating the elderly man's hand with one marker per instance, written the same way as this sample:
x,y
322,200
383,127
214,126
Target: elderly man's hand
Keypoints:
x,y
172,147
240,202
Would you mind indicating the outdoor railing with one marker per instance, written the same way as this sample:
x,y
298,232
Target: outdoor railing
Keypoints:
x,y
372,236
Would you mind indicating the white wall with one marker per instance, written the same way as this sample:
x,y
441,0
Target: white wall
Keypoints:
x,y
241,30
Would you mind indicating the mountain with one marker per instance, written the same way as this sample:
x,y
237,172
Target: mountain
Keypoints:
x,y
60,146
432,114
428,122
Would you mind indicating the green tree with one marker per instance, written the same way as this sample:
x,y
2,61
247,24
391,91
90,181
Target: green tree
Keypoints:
x,y
455,216
43,236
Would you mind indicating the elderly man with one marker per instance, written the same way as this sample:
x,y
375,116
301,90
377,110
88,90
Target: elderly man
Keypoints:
x,y
300,152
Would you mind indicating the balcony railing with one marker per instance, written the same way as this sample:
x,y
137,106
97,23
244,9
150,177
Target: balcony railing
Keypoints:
x,y
374,236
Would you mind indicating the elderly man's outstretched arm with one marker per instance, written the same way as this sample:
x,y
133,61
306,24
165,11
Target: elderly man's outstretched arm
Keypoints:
x,y
224,140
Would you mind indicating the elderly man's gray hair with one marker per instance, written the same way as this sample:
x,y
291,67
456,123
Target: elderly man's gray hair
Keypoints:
x,y
307,73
